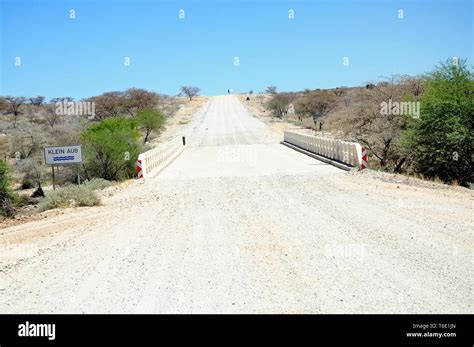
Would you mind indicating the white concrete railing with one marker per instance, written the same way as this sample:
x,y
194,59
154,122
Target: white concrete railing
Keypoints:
x,y
154,160
349,153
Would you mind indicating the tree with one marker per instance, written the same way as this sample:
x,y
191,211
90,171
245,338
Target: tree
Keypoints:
x,y
190,92
110,104
413,85
111,148
51,115
315,104
14,106
441,141
131,101
271,90
134,100
150,120
279,104
61,99
37,100
380,133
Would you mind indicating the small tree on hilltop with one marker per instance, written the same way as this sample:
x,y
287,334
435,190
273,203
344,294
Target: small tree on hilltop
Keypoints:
x,y
135,99
61,99
271,90
37,100
190,92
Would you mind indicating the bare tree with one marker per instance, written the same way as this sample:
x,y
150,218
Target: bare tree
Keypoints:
x,y
134,100
14,106
112,104
413,85
37,100
380,132
271,90
316,104
61,99
108,105
51,116
190,92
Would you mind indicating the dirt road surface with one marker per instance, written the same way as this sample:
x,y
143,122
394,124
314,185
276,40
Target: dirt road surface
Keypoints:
x,y
241,224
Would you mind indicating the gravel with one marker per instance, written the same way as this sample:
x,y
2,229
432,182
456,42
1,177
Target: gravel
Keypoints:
x,y
241,224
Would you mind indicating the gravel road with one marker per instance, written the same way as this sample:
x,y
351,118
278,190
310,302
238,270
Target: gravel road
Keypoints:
x,y
241,224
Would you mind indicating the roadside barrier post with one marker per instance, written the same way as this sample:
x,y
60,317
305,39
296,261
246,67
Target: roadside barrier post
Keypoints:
x,y
363,164
139,169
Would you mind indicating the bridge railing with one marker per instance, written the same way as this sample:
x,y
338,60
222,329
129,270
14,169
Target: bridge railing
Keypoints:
x,y
152,161
349,153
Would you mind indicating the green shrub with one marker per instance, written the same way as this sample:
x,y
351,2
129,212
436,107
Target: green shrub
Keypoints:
x,y
278,104
97,184
111,149
5,177
442,140
7,198
71,196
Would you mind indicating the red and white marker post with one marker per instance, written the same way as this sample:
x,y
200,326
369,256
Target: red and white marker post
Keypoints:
x,y
139,169
363,163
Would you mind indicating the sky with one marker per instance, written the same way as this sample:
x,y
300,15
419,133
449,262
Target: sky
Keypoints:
x,y
241,45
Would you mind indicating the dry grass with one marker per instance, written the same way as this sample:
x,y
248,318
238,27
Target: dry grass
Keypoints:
x,y
72,196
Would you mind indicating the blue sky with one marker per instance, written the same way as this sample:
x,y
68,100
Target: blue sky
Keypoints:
x,y
84,56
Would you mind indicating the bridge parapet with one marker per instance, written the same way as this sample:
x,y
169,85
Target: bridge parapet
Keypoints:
x,y
348,153
153,161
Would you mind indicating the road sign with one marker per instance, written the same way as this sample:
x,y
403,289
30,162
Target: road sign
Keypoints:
x,y
63,155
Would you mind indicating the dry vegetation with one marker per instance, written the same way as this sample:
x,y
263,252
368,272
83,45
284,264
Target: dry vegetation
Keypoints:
x,y
27,125
435,143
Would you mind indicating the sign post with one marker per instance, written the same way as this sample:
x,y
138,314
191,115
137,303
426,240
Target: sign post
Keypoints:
x,y
54,186
63,155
